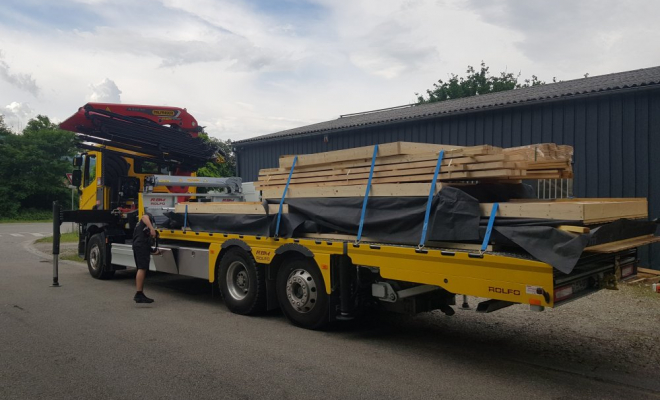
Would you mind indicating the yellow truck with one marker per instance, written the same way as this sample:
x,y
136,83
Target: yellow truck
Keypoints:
x,y
133,164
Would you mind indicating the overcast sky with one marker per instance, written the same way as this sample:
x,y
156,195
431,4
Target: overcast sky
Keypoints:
x,y
246,68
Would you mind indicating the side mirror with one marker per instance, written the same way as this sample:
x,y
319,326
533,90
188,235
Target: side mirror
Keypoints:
x,y
76,177
78,161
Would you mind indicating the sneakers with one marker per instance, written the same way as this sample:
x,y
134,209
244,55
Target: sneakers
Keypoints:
x,y
141,298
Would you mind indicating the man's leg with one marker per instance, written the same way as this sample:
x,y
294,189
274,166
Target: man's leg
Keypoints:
x,y
142,259
139,279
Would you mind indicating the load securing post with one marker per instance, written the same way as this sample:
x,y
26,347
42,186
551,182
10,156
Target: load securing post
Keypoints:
x,y
56,243
286,189
427,215
366,195
489,229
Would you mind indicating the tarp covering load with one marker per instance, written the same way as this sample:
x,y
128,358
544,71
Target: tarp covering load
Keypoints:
x,y
455,217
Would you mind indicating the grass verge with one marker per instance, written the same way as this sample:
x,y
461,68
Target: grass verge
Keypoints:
x,y
71,237
30,216
72,257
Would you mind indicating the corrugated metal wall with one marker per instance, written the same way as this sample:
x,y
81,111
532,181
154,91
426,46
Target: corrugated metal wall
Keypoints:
x,y
616,140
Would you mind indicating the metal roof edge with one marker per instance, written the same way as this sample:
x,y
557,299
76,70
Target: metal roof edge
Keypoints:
x,y
514,104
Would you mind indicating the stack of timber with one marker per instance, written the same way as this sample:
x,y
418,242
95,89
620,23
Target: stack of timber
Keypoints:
x,y
406,169
545,160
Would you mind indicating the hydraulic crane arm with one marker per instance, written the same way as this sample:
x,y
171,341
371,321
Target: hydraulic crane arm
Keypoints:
x,y
165,133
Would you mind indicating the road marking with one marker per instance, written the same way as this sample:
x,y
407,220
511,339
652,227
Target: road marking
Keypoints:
x,y
37,234
17,235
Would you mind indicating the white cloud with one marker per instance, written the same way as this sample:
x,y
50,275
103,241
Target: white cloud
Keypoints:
x,y
16,115
105,91
19,80
249,68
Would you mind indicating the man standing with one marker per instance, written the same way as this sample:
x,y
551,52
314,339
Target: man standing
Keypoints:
x,y
144,232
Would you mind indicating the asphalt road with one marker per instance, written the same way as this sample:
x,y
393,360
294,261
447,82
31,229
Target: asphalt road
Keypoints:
x,y
88,339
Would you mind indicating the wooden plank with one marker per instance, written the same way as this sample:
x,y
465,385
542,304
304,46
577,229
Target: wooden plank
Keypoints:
x,y
600,199
605,220
393,160
447,167
621,245
350,175
648,271
251,208
388,149
385,150
359,179
604,210
384,190
574,229
587,211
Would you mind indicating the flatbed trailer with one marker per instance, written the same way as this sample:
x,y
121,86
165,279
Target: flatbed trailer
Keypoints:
x,y
320,280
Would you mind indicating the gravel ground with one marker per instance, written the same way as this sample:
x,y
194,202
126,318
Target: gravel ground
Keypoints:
x,y
610,335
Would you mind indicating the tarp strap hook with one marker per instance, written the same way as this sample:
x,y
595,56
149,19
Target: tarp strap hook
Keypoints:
x,y
366,195
425,227
286,189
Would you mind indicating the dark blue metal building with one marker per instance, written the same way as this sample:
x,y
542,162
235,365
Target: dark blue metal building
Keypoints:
x,y
612,121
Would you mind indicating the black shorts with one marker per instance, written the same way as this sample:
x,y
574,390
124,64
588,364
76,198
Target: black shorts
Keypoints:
x,y
142,256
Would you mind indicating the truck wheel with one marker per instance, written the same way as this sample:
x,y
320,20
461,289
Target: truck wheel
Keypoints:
x,y
96,257
301,294
242,284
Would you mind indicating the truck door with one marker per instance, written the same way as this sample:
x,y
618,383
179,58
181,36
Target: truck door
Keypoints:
x,y
91,190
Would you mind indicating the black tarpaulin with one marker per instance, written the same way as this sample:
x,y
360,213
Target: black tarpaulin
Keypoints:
x,y
455,217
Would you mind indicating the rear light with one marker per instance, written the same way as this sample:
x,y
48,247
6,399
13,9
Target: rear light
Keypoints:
x,y
575,288
563,293
627,271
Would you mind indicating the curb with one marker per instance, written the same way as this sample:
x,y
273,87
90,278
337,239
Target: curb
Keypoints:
x,y
29,246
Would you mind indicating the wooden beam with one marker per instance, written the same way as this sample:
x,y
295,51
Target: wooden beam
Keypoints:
x,y
360,179
648,271
394,162
383,190
248,208
589,212
621,245
574,229
386,150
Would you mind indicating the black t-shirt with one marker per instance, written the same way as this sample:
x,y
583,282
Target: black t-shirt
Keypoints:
x,y
141,234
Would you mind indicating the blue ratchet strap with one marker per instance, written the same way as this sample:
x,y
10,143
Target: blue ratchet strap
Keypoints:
x,y
185,218
286,189
366,195
489,229
422,241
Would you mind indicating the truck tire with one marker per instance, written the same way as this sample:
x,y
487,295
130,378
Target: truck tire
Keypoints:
x,y
241,282
96,257
301,294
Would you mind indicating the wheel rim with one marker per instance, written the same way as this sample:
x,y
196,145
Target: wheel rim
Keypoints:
x,y
94,257
301,291
238,280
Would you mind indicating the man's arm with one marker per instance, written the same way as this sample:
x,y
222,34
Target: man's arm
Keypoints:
x,y
147,222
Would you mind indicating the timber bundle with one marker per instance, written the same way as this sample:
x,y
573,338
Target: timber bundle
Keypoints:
x,y
400,167
323,194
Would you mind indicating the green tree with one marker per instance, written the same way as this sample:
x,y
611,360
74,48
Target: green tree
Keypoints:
x,y
4,130
474,84
224,168
33,166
